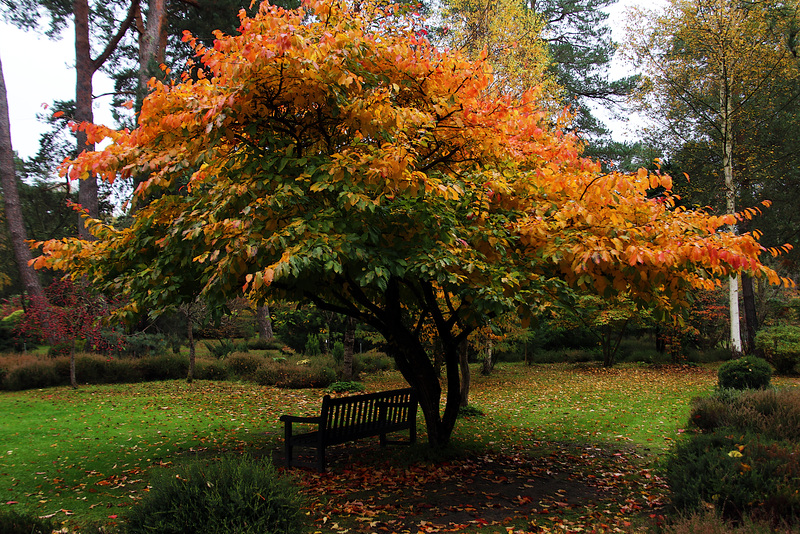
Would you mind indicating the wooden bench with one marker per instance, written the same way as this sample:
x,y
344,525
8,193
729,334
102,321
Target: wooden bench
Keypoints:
x,y
351,418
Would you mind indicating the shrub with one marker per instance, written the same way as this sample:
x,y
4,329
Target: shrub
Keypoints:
x,y
372,362
210,370
14,522
37,374
244,365
226,347
745,373
709,523
338,352
141,344
739,476
316,373
781,345
239,495
772,414
312,347
166,367
345,387
263,344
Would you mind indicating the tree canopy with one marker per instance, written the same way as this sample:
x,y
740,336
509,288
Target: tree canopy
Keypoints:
x,y
337,156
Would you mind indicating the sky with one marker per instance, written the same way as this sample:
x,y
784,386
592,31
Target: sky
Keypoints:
x,y
38,71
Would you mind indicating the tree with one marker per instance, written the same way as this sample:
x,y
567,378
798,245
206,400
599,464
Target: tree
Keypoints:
x,y
341,159
13,209
708,62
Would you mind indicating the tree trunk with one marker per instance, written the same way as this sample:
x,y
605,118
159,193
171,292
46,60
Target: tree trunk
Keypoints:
x,y
13,209
750,313
349,342
84,71
73,380
190,335
264,323
466,379
726,111
488,360
152,43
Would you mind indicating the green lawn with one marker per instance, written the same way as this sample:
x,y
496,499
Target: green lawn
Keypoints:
x,y
84,455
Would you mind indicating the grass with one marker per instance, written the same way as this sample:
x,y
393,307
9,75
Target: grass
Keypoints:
x,y
86,455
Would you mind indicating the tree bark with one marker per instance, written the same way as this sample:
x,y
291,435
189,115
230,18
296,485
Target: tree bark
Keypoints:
x,y
750,313
152,44
349,342
13,209
84,71
264,323
726,111
466,379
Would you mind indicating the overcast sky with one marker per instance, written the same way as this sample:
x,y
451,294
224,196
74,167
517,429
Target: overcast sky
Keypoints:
x,y
38,71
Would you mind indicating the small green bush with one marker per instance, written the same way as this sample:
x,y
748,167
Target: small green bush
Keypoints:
x,y
223,349
338,352
141,344
238,495
781,345
313,345
708,522
745,373
469,411
345,387
16,522
244,365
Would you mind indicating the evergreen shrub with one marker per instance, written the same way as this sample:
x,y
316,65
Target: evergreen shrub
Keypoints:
x,y
748,372
240,495
211,370
781,345
345,387
372,362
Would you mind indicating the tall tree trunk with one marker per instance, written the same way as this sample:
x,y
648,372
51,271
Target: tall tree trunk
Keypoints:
x,y
152,43
726,111
73,380
488,359
466,379
349,342
84,71
13,209
192,355
750,313
264,323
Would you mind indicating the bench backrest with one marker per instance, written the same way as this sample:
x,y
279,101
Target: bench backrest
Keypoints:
x,y
360,413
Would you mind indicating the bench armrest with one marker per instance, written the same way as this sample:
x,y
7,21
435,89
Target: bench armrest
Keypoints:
x,y
297,419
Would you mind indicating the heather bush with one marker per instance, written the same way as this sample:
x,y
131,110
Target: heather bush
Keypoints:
x,y
244,365
345,387
263,344
773,414
372,362
211,370
291,373
708,522
740,476
221,496
745,373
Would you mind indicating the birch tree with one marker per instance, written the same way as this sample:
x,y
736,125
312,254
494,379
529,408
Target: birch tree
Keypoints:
x,y
707,62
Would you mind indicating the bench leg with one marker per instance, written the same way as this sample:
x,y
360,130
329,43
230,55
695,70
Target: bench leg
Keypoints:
x,y
321,459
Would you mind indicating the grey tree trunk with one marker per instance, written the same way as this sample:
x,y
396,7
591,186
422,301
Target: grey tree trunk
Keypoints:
x,y
13,209
84,71
264,323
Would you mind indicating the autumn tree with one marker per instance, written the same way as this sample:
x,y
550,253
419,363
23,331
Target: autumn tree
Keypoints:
x,y
708,62
342,159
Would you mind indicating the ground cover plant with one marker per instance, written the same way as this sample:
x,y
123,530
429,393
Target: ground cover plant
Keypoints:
x,y
556,445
